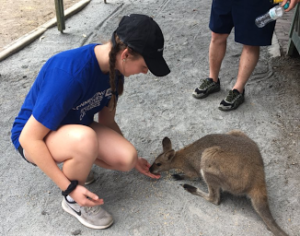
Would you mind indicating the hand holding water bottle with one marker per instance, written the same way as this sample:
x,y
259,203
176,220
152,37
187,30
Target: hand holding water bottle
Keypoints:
x,y
273,14
293,3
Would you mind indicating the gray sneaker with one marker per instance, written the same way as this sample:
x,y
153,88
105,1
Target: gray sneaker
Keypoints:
x,y
232,101
207,87
90,179
92,217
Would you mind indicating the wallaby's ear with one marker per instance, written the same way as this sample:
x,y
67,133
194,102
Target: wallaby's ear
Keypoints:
x,y
170,154
167,145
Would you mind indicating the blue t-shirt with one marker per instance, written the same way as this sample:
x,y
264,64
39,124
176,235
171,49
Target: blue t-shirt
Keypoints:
x,y
69,89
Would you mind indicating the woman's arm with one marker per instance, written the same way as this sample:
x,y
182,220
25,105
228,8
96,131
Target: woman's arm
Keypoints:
x,y
107,117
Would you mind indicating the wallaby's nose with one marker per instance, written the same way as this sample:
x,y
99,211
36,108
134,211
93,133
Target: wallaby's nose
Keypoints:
x,y
151,169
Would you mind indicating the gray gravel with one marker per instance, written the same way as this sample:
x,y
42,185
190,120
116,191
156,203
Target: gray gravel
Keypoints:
x,y
151,109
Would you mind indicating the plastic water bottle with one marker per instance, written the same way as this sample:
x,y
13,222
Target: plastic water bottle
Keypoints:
x,y
273,14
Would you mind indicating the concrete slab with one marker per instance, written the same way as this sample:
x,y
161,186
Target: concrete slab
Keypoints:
x,y
151,109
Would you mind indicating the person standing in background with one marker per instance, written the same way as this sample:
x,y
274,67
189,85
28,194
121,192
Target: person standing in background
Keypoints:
x,y
241,15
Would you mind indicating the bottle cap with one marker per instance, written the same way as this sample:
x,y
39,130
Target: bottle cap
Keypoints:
x,y
286,6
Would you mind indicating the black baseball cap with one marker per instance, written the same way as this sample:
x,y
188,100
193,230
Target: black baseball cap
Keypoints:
x,y
143,35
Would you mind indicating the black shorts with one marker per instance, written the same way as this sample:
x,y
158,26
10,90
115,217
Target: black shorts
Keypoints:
x,y
241,14
21,151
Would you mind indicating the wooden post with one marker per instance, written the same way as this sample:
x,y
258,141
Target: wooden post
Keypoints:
x,y
60,15
294,41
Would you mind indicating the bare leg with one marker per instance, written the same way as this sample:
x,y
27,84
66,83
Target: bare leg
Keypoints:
x,y
217,50
248,61
77,147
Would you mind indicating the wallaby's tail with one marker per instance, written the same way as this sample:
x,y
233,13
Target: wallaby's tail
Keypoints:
x,y
260,204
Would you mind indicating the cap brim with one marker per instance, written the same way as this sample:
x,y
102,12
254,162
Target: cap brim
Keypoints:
x,y
158,66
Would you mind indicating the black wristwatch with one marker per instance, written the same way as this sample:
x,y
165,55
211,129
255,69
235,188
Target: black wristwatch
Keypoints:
x,y
70,188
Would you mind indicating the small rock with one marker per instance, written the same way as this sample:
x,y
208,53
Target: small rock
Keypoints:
x,y
76,232
44,213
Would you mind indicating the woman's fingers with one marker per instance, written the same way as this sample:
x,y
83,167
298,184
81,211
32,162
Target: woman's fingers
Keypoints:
x,y
153,176
92,195
84,197
93,199
92,202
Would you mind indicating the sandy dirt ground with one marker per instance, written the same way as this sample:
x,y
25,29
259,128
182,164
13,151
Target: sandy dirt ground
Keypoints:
x,y
150,109
18,17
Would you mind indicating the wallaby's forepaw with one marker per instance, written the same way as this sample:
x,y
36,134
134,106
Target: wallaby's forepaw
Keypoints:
x,y
189,188
178,177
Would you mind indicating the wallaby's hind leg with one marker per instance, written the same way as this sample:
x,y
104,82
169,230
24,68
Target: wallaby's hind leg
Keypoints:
x,y
210,172
213,187
259,201
213,194
210,177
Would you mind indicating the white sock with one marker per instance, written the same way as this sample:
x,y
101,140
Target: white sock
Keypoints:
x,y
70,199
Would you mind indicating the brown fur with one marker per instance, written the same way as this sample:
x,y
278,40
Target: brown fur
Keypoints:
x,y
230,162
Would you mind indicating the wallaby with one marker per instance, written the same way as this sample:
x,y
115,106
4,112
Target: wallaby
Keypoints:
x,y
230,162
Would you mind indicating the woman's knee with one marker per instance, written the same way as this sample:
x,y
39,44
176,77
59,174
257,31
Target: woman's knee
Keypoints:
x,y
76,142
127,159
218,38
84,142
251,49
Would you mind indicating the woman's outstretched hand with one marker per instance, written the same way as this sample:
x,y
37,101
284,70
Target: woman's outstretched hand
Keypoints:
x,y
143,167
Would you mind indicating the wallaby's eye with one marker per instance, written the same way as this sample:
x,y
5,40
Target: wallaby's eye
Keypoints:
x,y
158,164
